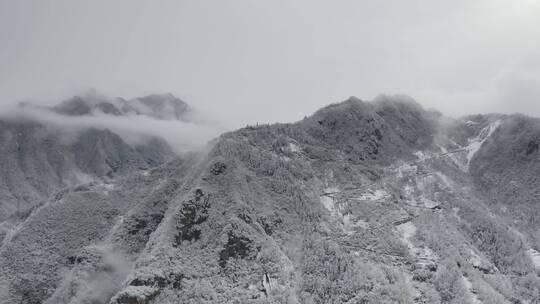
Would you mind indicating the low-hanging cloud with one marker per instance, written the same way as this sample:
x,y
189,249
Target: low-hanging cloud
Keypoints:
x,y
182,136
96,283
277,61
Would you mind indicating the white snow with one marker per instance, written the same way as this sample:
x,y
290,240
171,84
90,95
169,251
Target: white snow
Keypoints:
x,y
294,148
328,203
373,195
405,169
346,221
409,281
268,282
455,213
421,155
535,257
443,149
107,187
476,143
349,224
407,231
362,224
327,200
429,203
115,228
331,190
425,183
408,190
471,292
10,231
139,293
474,259
446,181
80,178
533,254
455,158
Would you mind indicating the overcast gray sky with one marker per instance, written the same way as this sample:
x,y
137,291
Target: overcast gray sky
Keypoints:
x,y
266,61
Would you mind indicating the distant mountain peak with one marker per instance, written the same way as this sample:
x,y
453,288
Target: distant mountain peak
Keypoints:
x,y
160,106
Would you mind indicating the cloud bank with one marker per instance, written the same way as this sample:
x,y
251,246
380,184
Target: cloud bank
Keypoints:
x,y
133,129
276,61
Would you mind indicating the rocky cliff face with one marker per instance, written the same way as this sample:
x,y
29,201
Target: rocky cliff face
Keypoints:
x,y
363,202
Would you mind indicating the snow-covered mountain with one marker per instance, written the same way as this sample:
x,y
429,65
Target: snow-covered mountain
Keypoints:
x,y
362,202
161,106
38,158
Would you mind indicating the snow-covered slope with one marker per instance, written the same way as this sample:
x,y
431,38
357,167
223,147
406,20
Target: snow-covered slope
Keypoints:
x,y
359,203
39,158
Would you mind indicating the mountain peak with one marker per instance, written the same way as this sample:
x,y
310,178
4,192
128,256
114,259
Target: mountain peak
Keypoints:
x,y
161,106
382,193
81,106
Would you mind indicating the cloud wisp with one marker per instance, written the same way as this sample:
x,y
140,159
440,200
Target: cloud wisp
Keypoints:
x,y
182,136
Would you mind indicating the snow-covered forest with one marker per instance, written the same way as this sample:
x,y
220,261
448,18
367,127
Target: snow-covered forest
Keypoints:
x,y
361,202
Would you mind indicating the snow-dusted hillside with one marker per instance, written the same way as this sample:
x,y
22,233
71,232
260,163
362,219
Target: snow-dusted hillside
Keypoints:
x,y
380,202
39,157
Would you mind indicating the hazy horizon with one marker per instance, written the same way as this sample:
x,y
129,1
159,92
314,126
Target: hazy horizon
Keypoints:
x,y
246,62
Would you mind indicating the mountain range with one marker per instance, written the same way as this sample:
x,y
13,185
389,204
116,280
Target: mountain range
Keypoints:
x,y
361,202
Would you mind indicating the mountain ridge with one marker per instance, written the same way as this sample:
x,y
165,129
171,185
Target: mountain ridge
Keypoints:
x,y
361,202
159,106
